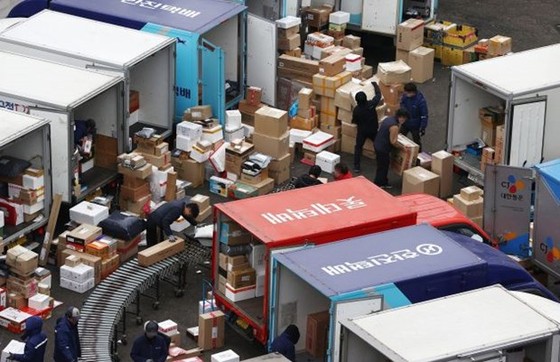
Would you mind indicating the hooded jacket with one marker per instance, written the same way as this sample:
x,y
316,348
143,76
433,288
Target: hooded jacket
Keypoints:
x,y
365,115
67,341
285,344
155,349
417,108
35,342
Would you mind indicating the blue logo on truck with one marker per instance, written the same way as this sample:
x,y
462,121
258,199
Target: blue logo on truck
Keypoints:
x,y
154,5
182,92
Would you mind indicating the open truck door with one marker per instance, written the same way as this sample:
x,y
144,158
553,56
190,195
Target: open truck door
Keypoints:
x,y
381,16
507,207
527,122
261,56
213,83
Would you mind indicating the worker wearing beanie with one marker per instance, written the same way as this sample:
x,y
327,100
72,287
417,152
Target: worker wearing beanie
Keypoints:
x,y
364,116
67,340
35,342
151,346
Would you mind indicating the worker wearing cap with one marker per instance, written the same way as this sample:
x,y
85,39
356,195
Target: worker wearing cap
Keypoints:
x,y
165,215
67,340
35,342
150,346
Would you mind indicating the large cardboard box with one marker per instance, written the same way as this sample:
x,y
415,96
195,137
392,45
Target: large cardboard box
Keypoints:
x,y
135,193
488,133
421,60
22,260
442,165
326,86
289,43
191,171
472,208
271,121
211,330
275,147
242,278
332,65
317,332
499,45
392,93
394,72
279,169
410,34
298,64
83,234
403,159
160,252
420,180
402,55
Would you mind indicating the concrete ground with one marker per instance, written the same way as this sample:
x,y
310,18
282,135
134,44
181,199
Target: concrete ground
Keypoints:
x,y
530,23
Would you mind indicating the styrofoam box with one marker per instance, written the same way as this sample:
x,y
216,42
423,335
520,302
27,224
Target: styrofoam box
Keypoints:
x,y
232,135
339,17
353,62
318,141
184,143
89,213
167,327
256,257
31,209
198,156
1,219
206,306
213,134
79,273
76,286
38,302
190,130
239,294
259,291
15,347
233,119
298,135
32,182
327,160
225,356
288,22
249,130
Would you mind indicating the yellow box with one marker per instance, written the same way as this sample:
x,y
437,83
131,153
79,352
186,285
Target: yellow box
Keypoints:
x,y
326,86
438,48
452,56
461,36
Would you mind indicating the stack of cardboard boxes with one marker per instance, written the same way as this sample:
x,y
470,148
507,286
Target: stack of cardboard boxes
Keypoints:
x,y
135,189
471,203
442,165
489,48
490,118
289,39
392,76
157,153
337,25
28,192
248,107
21,284
76,276
307,117
317,18
105,152
410,37
316,43
296,68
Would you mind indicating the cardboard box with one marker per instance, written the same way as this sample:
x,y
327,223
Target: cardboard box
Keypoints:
x,y
254,179
306,124
79,273
225,356
25,287
72,260
305,98
402,160
160,251
219,186
326,86
317,17
302,65
264,187
241,278
78,287
142,172
471,193
275,147
402,55
290,42
201,113
232,234
332,65
211,330
442,165
253,96
135,193
22,260
410,34
83,234
351,41
16,301
499,45
317,332
421,60
271,121
239,294
420,180
488,133
109,265
89,213
202,201
394,72
279,169
91,260
286,33
473,208
191,171
39,302
392,93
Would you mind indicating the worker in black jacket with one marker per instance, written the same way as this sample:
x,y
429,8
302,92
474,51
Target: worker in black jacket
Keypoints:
x,y
165,215
365,117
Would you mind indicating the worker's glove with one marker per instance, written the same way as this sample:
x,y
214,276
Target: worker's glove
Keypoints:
x,y
171,238
422,132
150,360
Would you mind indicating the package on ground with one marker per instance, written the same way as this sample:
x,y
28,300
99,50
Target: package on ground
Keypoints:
x,y
394,72
473,208
275,147
326,86
236,155
327,160
78,287
271,121
22,260
410,34
442,165
421,60
318,141
219,186
420,180
211,330
351,41
39,302
499,45
225,356
160,252
403,159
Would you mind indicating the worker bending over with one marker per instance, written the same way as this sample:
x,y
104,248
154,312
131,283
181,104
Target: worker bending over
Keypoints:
x,y
165,215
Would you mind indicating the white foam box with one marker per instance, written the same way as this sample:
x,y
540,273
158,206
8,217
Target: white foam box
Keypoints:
x,y
240,294
190,130
33,182
233,119
89,213
184,143
36,207
76,286
206,306
339,17
198,155
259,289
38,302
298,135
15,347
79,273
231,135
43,276
167,327
1,219
318,141
225,356
213,134
288,22
327,160
256,257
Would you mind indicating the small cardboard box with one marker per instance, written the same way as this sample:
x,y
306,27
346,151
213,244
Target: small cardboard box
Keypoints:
x,y
305,98
22,260
392,93
271,122
471,193
142,172
470,209
211,330
94,261
351,41
27,288
420,180
394,72
410,34
289,43
202,201
275,147
499,45
242,278
160,251
72,260
83,234
442,165
279,169
332,65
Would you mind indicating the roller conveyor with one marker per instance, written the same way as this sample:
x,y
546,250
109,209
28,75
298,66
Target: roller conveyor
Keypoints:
x,y
106,307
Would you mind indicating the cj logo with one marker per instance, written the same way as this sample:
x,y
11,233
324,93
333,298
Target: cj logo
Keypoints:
x,y
552,252
513,187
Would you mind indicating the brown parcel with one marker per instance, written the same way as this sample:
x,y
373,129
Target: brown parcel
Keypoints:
x,y
410,34
279,169
272,146
442,165
22,260
271,122
420,180
298,64
143,172
469,208
202,201
160,251
84,234
421,60
211,330
242,278
305,96
471,193
332,65
289,43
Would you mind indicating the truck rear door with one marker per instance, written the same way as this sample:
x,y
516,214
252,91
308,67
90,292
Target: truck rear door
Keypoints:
x,y
261,56
381,16
213,82
526,128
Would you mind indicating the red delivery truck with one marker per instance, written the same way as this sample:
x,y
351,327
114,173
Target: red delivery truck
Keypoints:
x,y
248,231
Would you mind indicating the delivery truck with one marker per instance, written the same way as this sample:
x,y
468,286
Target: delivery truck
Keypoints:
x,y
146,61
211,40
323,285
65,95
247,232
511,105
25,142
488,324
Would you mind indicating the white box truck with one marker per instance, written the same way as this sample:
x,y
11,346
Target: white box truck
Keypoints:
x,y
489,324
527,86
146,61
26,138
64,94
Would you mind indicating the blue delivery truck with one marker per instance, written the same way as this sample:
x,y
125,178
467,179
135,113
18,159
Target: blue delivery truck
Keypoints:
x,y
316,287
211,39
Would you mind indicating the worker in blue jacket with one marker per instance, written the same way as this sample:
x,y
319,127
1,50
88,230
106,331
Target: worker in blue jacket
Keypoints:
x,y
150,346
165,215
67,340
35,342
285,344
414,102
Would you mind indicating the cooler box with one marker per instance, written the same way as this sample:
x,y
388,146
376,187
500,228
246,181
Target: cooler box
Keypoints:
x,y
318,141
